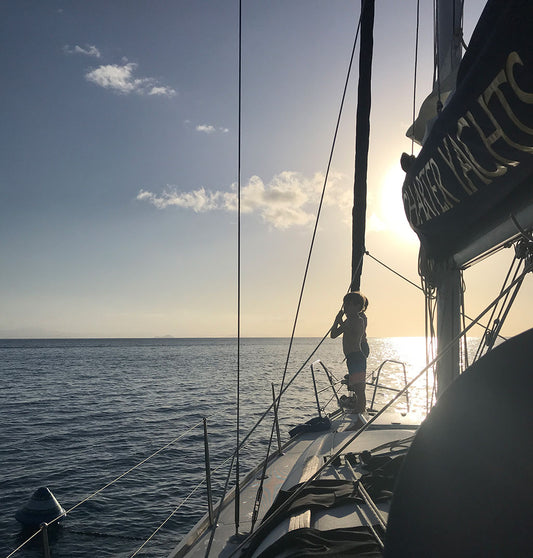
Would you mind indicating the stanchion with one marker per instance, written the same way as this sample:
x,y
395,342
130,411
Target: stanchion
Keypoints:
x,y
46,546
276,419
208,474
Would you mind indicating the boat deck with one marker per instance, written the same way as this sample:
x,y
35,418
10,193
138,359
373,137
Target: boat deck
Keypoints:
x,y
302,457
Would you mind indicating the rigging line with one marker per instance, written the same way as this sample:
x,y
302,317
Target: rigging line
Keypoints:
x,y
123,475
516,271
498,320
395,272
506,309
269,520
482,343
463,316
259,421
131,469
321,202
415,72
259,494
180,505
411,282
219,510
239,152
38,532
289,383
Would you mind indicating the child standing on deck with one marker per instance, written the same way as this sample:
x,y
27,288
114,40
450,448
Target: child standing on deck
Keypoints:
x,y
354,343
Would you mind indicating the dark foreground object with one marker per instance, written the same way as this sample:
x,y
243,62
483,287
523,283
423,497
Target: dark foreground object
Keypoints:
x,y
466,486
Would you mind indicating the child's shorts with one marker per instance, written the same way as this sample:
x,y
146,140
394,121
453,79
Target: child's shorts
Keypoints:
x,y
356,363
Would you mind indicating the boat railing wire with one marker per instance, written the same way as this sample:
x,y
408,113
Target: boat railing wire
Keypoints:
x,y
111,483
229,458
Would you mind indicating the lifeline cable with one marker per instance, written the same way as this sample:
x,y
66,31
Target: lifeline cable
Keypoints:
x,y
161,525
115,480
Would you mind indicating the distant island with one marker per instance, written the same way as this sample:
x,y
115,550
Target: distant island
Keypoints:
x,y
164,337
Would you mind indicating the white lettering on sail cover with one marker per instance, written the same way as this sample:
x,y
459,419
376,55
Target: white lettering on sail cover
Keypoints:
x,y
426,197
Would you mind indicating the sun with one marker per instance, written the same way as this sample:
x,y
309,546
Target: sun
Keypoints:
x,y
391,205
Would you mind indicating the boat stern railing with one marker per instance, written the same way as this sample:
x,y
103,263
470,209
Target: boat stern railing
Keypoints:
x,y
315,366
374,382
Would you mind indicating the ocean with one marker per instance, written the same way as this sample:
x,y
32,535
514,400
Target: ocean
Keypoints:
x,y
78,413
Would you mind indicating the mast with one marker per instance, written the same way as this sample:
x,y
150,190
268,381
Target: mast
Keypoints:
x,y
448,276
362,138
448,283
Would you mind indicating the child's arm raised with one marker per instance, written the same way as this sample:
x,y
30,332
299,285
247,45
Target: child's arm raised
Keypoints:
x,y
337,327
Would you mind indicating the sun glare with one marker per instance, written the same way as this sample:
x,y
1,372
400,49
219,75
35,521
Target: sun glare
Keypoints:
x,y
391,207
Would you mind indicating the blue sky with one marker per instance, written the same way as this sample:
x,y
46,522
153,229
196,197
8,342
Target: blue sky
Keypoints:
x,y
119,164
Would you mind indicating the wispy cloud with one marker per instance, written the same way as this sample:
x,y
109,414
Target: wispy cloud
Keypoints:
x,y
210,129
121,79
288,200
87,50
198,200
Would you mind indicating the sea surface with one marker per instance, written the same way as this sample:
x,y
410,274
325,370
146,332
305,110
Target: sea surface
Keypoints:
x,y
76,414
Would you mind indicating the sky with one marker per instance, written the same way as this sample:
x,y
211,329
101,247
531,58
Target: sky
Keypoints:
x,y
119,165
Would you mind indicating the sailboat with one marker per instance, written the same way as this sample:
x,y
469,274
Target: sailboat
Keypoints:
x,y
379,483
